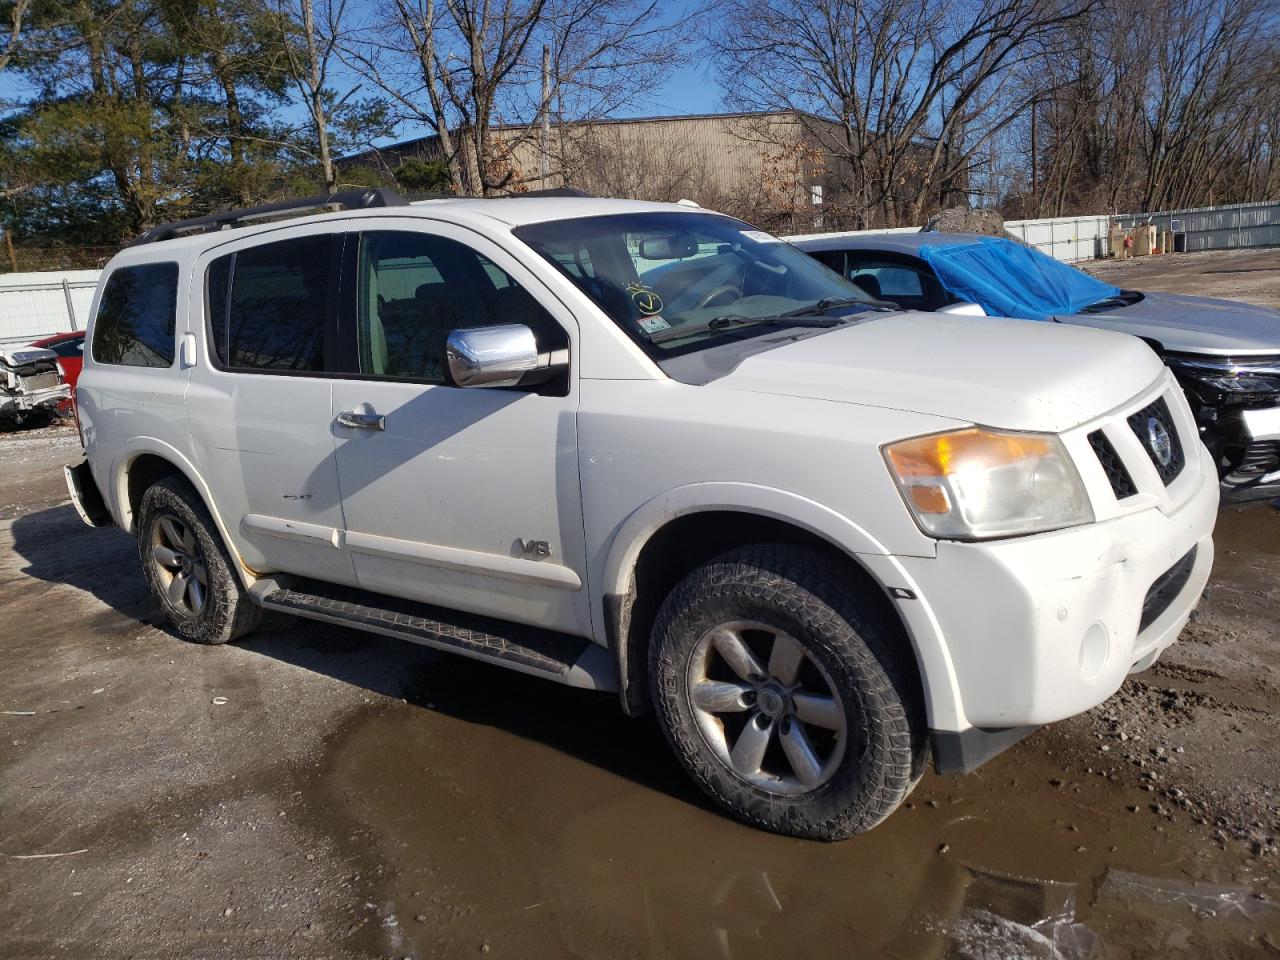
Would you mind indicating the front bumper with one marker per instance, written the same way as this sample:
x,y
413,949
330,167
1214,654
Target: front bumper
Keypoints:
x,y
13,404
1045,627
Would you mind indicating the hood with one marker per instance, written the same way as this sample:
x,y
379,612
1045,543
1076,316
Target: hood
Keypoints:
x,y
1184,324
1015,374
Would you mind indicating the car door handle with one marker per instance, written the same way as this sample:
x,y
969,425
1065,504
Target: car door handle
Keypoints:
x,y
362,421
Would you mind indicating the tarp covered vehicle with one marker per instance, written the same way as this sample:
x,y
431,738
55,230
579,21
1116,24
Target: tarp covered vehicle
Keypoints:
x,y
31,384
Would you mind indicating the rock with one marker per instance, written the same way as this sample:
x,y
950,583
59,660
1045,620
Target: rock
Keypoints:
x,y
989,223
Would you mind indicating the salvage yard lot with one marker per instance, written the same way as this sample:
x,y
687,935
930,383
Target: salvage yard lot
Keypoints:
x,y
317,792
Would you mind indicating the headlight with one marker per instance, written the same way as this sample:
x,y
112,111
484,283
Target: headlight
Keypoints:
x,y
1241,378
977,483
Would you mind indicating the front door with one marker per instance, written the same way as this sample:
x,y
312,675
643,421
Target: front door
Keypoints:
x,y
465,498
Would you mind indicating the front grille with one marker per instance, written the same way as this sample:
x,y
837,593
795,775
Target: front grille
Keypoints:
x,y
1166,588
1154,428
1122,484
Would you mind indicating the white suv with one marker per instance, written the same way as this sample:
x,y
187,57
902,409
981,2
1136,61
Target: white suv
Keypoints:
x,y
642,447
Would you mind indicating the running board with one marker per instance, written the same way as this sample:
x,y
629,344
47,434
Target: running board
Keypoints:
x,y
574,661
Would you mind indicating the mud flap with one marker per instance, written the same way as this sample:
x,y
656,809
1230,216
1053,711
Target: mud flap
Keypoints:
x,y
85,495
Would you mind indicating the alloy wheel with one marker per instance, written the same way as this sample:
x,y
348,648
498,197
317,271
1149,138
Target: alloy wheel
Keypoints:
x,y
766,707
179,565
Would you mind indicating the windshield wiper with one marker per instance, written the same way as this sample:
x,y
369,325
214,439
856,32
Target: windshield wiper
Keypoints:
x,y
830,303
734,320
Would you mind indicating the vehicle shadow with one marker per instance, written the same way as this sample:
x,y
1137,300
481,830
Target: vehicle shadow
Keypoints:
x,y
584,724
55,547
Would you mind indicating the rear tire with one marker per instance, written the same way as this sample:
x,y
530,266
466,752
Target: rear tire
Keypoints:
x,y
188,568
787,697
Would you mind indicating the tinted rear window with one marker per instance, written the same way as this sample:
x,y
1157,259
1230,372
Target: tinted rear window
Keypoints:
x,y
268,305
136,316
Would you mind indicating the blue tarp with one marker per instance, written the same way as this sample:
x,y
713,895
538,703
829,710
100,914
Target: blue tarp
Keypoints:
x,y
1009,280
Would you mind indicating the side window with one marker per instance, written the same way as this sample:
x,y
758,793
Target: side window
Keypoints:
x,y
69,348
137,316
893,281
414,289
268,305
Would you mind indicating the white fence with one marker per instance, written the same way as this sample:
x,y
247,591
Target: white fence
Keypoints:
x,y
35,305
1065,238
1086,237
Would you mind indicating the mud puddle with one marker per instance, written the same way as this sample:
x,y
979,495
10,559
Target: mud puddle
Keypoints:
x,y
512,817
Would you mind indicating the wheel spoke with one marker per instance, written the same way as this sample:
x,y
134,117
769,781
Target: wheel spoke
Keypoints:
x,y
816,709
785,659
195,594
172,532
738,655
164,556
805,763
748,752
177,589
201,573
716,696
188,540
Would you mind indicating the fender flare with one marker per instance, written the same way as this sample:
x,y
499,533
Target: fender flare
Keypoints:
x,y
937,672
119,492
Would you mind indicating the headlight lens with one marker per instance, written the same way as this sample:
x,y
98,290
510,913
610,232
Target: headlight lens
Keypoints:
x,y
1242,378
976,484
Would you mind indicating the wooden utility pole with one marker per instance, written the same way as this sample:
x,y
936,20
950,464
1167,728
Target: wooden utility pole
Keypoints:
x,y
545,165
1035,153
13,257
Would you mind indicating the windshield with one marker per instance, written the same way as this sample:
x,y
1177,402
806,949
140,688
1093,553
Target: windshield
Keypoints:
x,y
682,281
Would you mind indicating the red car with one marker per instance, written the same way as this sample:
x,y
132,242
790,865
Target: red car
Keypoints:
x,y
70,350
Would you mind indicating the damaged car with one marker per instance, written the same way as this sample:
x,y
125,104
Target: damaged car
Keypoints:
x,y
31,385
1225,354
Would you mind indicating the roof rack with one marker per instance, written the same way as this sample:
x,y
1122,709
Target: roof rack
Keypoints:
x,y
321,203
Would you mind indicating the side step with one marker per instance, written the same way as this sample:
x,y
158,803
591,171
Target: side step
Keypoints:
x,y
574,661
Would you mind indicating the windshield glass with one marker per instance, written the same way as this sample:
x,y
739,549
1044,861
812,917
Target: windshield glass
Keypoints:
x,y
681,281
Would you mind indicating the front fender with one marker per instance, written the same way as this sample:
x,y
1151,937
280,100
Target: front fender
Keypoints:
x,y
614,579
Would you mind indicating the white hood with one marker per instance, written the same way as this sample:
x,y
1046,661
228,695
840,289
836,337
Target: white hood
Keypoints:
x,y
1014,374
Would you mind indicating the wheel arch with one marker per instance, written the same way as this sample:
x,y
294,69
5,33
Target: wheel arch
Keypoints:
x,y
149,462
667,537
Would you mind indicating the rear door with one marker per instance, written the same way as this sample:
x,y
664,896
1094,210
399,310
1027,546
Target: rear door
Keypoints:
x,y
260,396
465,498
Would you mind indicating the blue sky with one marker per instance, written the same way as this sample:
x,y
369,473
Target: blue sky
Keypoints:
x,y
689,90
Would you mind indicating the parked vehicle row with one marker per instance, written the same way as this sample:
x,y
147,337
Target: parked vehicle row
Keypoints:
x,y
646,448
1225,354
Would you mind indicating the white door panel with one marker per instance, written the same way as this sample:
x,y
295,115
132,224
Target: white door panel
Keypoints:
x,y
438,502
453,500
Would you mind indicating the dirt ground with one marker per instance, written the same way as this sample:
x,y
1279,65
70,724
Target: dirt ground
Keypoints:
x,y
1250,275
318,792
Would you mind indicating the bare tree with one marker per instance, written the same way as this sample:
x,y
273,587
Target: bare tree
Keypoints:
x,y
918,88
461,68
310,52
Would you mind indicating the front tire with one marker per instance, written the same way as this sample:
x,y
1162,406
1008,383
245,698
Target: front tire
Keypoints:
x,y
785,694
187,566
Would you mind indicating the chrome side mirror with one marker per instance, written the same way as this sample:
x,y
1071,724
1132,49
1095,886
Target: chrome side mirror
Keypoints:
x,y
500,356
